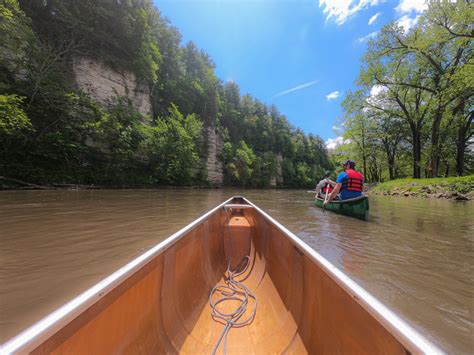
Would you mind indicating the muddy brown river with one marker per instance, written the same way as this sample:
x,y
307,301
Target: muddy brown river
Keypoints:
x,y
416,256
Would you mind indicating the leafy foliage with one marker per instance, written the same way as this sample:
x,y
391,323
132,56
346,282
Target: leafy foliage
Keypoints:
x,y
239,162
171,145
59,134
13,120
415,96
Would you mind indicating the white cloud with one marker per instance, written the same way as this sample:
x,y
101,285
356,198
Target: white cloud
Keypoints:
x,y
406,22
374,18
366,38
299,87
376,97
407,6
333,143
336,128
341,10
377,89
333,95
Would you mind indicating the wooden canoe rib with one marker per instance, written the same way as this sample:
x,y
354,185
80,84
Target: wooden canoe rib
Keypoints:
x,y
159,302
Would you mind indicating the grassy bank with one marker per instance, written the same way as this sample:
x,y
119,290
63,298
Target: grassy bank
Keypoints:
x,y
458,188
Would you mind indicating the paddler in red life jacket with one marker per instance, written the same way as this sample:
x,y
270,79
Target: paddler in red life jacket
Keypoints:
x,y
325,185
349,183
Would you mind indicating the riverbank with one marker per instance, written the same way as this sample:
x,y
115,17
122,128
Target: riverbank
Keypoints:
x,y
7,183
455,188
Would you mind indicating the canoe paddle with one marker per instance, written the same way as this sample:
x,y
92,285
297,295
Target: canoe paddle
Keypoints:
x,y
325,199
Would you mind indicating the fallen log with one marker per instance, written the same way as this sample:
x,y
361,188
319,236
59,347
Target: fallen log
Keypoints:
x,y
27,184
75,186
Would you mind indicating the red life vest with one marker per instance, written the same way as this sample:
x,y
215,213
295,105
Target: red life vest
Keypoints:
x,y
327,188
354,181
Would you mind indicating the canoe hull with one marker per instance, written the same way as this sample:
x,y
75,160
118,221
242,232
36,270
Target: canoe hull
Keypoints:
x,y
159,302
357,208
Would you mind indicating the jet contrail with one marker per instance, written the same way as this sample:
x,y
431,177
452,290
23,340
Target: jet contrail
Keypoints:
x,y
299,87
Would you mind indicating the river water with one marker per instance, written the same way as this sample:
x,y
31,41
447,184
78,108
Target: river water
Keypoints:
x,y
416,256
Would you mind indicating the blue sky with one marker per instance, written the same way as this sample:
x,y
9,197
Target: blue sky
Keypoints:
x,y
301,55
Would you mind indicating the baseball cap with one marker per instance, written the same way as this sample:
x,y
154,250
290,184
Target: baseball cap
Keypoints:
x,y
351,163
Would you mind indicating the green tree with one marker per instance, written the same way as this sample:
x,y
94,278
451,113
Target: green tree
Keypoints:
x,y
172,146
425,72
14,123
16,42
240,162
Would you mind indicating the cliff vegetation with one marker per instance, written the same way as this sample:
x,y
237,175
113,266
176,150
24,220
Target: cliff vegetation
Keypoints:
x,y
58,127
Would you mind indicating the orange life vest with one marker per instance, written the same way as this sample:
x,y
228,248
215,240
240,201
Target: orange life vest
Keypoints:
x,y
354,181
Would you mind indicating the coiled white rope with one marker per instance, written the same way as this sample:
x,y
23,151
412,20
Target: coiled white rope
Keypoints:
x,y
233,291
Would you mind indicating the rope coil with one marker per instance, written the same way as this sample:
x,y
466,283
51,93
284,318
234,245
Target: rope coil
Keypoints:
x,y
233,291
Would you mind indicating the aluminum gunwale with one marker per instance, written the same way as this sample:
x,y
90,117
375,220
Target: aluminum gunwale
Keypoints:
x,y
33,336
30,338
403,332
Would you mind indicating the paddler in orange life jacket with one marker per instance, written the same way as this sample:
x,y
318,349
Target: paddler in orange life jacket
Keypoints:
x,y
325,185
349,183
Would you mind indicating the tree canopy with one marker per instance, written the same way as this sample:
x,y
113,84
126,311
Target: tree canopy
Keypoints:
x,y
415,97
53,132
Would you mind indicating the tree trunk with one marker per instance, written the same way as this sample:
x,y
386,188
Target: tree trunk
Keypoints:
x,y
446,172
462,140
434,158
390,161
416,153
391,168
364,160
460,151
28,184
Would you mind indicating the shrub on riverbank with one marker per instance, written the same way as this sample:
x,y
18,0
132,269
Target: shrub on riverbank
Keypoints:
x,y
459,188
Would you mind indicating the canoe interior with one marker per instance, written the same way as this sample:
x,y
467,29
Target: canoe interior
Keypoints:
x,y
163,307
357,207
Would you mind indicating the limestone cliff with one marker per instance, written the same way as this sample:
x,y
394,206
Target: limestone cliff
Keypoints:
x,y
102,83
215,173
278,179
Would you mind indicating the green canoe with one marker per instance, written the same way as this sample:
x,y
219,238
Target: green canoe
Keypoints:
x,y
355,207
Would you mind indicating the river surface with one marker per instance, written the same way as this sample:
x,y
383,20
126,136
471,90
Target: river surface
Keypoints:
x,y
416,256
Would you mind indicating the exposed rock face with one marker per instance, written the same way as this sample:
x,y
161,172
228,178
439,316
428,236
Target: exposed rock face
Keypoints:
x,y
276,180
279,178
102,83
215,173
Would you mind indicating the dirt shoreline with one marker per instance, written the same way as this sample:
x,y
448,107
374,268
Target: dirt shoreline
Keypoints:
x,y
458,189
449,195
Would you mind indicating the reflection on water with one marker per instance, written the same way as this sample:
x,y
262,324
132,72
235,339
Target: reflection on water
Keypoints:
x,y
416,256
